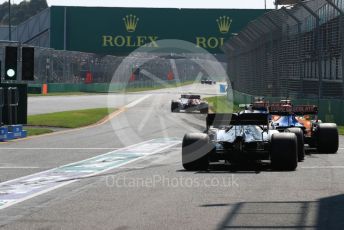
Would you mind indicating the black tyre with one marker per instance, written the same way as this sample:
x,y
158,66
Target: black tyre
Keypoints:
x,y
284,151
300,142
327,138
174,106
195,151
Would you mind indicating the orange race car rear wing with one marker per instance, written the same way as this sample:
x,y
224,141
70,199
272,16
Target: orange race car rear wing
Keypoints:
x,y
299,110
281,108
190,96
222,119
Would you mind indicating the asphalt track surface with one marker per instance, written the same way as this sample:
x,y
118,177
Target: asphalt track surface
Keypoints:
x,y
51,104
154,192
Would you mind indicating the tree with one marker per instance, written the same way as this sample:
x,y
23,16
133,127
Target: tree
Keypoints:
x,y
22,11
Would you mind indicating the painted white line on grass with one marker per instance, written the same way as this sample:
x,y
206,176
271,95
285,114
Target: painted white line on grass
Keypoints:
x,y
27,187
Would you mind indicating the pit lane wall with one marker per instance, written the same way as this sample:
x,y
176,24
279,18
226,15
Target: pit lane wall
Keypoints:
x,y
330,110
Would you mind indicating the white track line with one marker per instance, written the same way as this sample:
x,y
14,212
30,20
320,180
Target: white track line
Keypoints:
x,y
55,182
323,167
132,104
19,167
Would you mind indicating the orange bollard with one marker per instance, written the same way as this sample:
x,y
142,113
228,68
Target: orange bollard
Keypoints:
x,y
45,89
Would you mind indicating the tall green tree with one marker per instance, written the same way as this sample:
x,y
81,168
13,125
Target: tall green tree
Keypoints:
x,y
22,11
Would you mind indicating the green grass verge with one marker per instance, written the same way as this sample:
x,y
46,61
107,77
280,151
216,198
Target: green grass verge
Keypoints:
x,y
37,131
220,104
69,119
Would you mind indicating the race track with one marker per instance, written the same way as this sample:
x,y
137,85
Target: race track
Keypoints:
x,y
140,182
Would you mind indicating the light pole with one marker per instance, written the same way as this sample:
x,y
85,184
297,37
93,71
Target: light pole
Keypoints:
x,y
265,4
9,21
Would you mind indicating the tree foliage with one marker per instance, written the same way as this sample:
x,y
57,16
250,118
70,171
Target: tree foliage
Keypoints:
x,y
22,11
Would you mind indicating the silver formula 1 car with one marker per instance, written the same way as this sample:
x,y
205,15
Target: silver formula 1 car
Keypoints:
x,y
189,103
236,137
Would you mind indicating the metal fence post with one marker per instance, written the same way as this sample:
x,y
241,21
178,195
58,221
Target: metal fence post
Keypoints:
x,y
317,50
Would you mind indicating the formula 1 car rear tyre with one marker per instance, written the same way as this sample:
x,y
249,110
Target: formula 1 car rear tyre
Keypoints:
x,y
327,138
300,143
195,151
284,151
175,106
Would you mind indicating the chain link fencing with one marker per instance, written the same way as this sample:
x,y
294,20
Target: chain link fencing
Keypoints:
x,y
294,52
71,70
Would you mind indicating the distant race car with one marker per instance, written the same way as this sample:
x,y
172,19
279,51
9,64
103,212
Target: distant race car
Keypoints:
x,y
189,103
208,81
237,137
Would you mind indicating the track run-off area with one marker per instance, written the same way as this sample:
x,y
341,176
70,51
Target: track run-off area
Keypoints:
x,y
127,174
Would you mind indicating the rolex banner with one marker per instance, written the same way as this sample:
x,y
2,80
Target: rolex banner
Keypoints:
x,y
122,30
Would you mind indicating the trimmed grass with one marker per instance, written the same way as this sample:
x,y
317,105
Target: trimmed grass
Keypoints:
x,y
220,104
70,119
37,131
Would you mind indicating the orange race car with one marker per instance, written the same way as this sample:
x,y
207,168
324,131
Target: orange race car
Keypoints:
x,y
303,121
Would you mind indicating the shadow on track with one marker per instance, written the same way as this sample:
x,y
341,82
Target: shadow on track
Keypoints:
x,y
237,168
325,213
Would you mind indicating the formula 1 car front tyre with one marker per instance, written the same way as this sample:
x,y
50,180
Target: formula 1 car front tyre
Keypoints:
x,y
284,151
327,138
300,142
195,151
174,107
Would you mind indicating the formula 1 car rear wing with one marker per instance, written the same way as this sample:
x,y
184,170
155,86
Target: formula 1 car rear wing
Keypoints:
x,y
224,119
189,96
282,109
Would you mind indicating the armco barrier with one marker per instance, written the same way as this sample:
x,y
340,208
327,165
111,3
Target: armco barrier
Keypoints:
x,y
330,110
92,88
62,88
34,88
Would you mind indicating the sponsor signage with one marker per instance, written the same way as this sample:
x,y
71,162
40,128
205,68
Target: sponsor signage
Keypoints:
x,y
121,30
